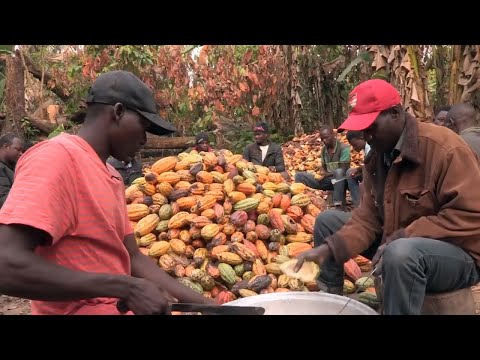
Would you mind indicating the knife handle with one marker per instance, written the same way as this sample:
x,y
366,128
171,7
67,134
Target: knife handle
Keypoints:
x,y
123,308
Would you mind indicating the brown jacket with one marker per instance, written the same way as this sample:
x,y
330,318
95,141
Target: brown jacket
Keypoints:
x,y
432,190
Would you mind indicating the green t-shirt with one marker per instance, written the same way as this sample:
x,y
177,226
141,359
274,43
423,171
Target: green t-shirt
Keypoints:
x,y
341,155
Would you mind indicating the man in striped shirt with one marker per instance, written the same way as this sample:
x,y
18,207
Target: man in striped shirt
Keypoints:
x,y
65,236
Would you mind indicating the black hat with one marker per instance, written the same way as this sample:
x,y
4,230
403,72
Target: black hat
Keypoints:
x,y
201,137
124,87
261,127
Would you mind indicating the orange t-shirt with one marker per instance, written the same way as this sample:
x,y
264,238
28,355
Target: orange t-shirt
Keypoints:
x,y
63,188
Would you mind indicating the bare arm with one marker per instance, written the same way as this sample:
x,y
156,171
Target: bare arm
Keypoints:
x,y
27,275
145,268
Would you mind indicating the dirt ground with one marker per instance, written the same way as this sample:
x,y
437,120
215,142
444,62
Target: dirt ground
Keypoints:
x,y
14,306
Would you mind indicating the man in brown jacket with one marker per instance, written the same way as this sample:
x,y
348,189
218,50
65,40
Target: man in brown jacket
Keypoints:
x,y
418,214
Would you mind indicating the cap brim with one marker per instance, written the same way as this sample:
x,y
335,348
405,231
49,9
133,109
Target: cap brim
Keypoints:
x,y
159,126
359,122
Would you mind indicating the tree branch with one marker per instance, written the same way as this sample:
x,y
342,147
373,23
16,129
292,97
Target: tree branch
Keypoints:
x,y
57,89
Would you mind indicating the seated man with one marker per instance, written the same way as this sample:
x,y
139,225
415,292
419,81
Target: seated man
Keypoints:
x,y
335,162
462,119
11,148
418,214
265,153
441,115
130,170
202,143
354,175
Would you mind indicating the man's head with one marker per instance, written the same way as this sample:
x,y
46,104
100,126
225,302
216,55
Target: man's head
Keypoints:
x,y
441,115
202,142
11,148
461,117
261,133
328,136
123,107
376,111
356,139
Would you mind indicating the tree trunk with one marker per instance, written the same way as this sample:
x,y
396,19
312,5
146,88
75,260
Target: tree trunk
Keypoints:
x,y
454,89
14,95
58,89
294,102
160,142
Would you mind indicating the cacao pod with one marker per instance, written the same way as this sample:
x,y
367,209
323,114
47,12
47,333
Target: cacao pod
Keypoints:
x,y
209,231
297,188
289,224
348,287
137,211
165,212
308,222
273,268
178,220
263,232
243,251
295,212
229,258
247,275
159,248
224,297
352,270
169,177
163,165
300,237
178,246
258,268
238,218
207,282
262,249
179,271
227,273
200,255
263,219
162,226
239,269
259,282
164,189
146,240
191,284
276,220
229,229
166,263
246,293
237,237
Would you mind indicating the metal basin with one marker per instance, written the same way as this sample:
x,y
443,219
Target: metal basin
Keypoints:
x,y
304,303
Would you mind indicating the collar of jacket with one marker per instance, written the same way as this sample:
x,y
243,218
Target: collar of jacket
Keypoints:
x,y
409,147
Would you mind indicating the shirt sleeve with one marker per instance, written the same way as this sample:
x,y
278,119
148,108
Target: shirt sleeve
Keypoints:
x,y
43,191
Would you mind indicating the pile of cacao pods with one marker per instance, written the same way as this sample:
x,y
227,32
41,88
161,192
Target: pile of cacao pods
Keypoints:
x,y
222,225
356,281
303,153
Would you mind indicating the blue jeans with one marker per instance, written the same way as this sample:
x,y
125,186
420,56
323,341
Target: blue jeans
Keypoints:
x,y
411,267
325,184
354,187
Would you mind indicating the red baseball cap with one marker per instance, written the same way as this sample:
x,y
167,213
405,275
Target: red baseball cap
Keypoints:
x,y
368,100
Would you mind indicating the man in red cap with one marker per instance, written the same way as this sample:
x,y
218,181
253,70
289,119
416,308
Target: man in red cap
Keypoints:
x,y
418,214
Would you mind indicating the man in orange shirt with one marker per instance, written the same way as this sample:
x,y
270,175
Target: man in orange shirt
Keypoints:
x,y
66,240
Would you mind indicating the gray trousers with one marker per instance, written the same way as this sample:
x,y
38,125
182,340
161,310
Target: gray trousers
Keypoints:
x,y
325,184
411,267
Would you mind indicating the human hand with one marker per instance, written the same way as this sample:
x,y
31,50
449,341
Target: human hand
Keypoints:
x,y
146,298
318,255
